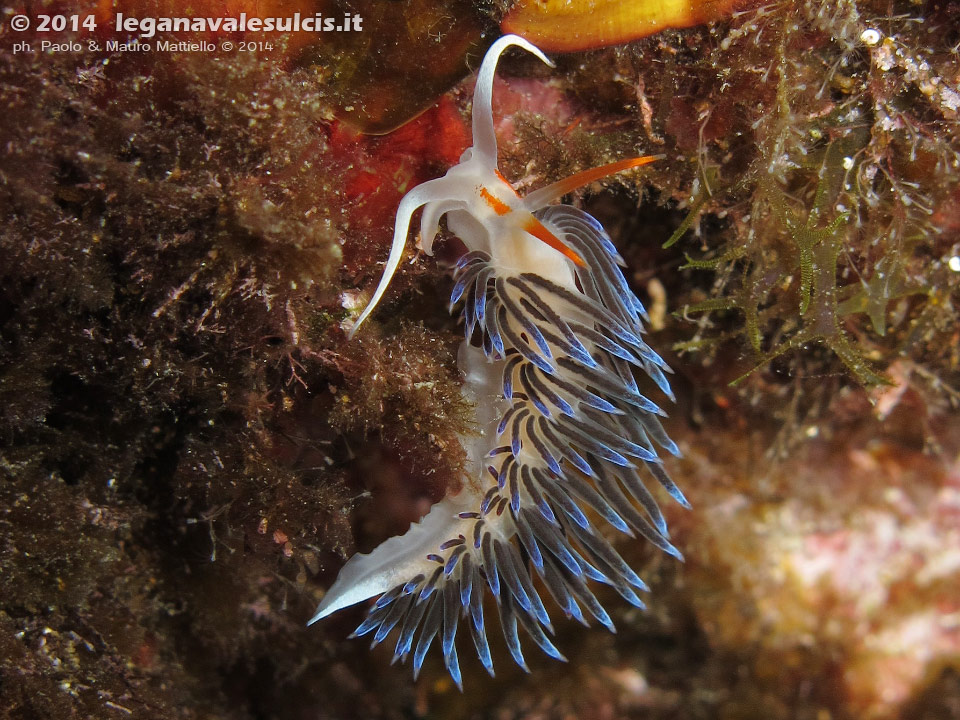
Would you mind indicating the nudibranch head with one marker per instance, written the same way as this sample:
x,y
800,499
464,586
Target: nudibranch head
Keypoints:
x,y
476,198
460,189
554,341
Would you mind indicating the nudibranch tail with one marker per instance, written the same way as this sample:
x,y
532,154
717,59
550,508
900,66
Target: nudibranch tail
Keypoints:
x,y
566,438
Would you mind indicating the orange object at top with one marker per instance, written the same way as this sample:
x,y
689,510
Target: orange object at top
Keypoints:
x,y
569,25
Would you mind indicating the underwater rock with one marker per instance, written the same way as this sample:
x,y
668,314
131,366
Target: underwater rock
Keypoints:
x,y
412,53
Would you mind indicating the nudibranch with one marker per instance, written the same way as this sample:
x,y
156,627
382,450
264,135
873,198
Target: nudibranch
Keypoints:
x,y
565,436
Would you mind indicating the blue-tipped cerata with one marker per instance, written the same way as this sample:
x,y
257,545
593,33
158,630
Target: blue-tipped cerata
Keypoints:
x,y
563,439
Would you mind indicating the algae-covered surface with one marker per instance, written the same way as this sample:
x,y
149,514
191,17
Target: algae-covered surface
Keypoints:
x,y
190,446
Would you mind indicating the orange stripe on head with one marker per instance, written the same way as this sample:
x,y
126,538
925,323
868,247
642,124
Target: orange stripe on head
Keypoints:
x,y
541,232
498,205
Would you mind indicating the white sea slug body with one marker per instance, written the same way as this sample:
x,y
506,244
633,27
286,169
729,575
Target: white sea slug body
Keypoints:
x,y
554,337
